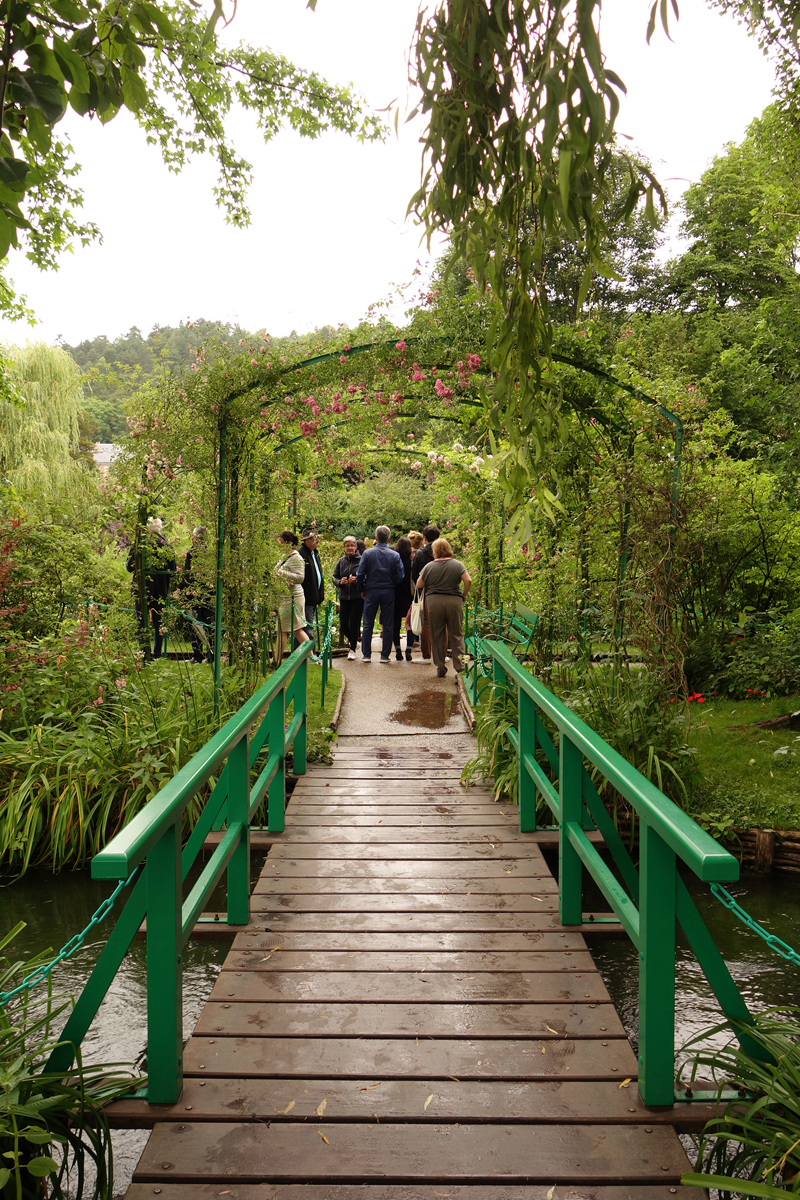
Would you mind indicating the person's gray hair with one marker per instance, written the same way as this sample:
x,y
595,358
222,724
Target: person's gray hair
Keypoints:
x,y
383,533
350,537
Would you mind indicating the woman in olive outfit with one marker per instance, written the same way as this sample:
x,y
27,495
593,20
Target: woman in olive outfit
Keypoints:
x,y
446,582
351,605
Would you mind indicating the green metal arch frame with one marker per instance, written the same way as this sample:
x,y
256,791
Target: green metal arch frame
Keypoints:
x,y
565,360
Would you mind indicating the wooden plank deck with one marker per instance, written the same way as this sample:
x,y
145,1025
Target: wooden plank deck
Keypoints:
x,y
404,1017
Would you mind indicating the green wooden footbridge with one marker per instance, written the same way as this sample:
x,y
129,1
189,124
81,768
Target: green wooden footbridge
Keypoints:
x,y
408,1008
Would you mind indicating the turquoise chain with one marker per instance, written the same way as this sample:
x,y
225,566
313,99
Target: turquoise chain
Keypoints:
x,y
774,943
71,947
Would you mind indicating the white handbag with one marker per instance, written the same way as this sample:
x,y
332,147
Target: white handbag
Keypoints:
x,y
417,616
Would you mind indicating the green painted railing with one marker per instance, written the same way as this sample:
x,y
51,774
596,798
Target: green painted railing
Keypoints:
x,y
149,852
514,625
648,902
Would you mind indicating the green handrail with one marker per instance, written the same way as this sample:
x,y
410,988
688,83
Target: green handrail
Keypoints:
x,y
647,902
149,847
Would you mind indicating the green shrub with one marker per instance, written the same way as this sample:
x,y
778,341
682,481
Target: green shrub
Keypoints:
x,y
628,710
761,655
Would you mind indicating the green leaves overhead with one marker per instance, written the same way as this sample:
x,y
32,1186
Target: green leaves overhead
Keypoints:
x,y
162,62
518,151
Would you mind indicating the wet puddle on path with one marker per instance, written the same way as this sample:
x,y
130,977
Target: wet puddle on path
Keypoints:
x,y
430,710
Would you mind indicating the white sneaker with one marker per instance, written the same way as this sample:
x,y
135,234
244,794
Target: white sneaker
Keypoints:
x,y
427,661
351,655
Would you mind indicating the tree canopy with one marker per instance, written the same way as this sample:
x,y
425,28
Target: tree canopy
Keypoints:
x,y
166,65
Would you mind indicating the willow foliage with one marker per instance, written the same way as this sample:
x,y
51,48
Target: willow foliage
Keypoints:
x,y
36,435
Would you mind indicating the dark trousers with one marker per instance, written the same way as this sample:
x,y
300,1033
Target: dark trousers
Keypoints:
x,y
446,617
156,614
383,600
202,651
350,620
425,636
397,628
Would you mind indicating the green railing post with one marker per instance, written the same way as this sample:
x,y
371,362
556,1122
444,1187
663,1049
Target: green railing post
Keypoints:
x,y
166,627
656,967
276,802
499,677
239,814
527,744
220,569
301,705
164,969
570,868
263,639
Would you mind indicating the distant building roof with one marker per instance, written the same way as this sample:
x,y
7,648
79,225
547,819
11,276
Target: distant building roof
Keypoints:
x,y
105,453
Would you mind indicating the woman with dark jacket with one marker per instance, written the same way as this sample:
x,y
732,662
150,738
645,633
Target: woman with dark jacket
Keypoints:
x,y
351,605
402,597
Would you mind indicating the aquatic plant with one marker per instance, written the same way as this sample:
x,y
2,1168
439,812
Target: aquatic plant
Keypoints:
x,y
753,1147
51,1129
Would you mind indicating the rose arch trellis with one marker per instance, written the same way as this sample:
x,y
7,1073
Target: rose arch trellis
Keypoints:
x,y
330,410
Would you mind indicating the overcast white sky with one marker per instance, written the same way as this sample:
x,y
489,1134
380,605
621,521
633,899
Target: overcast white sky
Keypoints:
x,y
328,235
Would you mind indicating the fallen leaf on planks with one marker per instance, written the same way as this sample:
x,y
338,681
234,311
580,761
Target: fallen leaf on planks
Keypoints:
x,y
369,1088
550,1192
454,1079
427,1102
289,1107
269,956
322,1135
550,1027
441,1193
320,1109
543,1050
624,1083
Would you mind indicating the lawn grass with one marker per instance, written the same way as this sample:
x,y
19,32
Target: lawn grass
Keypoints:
x,y
744,777
320,734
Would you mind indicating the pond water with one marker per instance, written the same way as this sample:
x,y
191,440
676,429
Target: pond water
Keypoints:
x,y
763,977
55,907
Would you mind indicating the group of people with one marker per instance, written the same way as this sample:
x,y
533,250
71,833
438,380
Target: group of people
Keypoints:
x,y
381,580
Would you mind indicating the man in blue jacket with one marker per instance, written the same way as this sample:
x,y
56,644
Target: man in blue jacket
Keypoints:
x,y
379,572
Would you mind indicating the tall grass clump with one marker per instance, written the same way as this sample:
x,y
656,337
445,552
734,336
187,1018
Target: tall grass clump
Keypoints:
x,y
88,734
